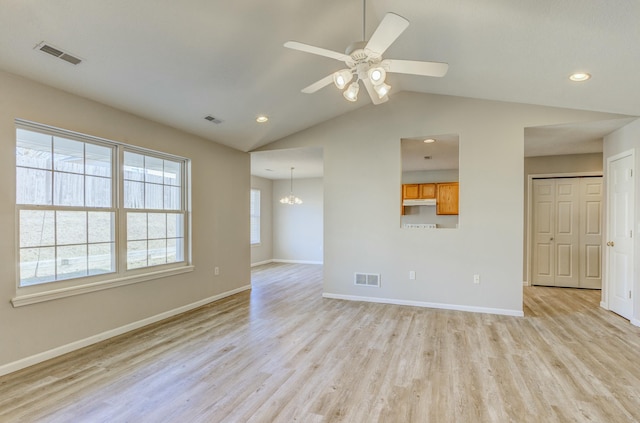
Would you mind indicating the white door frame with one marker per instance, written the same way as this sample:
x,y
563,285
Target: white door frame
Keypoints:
x,y
605,272
530,179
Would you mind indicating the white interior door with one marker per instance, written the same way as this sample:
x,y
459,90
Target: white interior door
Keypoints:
x,y
567,236
567,233
591,232
620,202
543,251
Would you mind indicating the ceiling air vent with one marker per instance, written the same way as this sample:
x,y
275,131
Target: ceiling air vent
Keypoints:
x,y
58,53
213,119
367,279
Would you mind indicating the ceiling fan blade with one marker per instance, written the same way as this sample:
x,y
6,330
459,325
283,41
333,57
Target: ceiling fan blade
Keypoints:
x,y
414,67
294,45
318,84
372,92
390,28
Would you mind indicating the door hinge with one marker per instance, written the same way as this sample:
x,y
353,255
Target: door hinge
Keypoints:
x,y
629,294
630,233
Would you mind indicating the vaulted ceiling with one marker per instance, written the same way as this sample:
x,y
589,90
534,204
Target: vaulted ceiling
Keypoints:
x,y
178,61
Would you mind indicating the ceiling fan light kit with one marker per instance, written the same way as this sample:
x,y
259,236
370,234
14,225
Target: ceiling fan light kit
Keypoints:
x,y
364,60
342,77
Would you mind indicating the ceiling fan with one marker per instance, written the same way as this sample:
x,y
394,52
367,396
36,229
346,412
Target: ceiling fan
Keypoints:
x,y
364,61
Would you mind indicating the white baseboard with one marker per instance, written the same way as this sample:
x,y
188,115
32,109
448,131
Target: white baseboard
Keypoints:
x,y
296,261
525,283
260,263
604,305
473,309
55,352
635,322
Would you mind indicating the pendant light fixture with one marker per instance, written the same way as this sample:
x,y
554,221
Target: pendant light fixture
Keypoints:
x,y
291,199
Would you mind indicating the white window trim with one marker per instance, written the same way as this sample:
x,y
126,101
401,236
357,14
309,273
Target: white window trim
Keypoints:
x,y
54,294
32,294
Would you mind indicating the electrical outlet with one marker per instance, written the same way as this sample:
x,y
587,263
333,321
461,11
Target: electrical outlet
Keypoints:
x,y
476,279
216,271
412,274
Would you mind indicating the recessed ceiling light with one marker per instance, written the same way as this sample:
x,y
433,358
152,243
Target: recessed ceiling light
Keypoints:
x,y
579,76
429,140
262,119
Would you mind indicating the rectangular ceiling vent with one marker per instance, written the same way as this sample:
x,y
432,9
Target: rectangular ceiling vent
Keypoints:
x,y
213,119
367,279
58,53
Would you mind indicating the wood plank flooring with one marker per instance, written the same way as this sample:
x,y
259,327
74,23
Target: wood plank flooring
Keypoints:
x,y
282,353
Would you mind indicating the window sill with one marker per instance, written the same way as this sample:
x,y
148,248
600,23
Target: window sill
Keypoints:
x,y
54,294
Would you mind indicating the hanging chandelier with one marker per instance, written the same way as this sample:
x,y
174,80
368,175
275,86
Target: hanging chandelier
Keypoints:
x,y
291,199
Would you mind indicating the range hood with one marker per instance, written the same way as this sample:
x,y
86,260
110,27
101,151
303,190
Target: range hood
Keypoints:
x,y
420,202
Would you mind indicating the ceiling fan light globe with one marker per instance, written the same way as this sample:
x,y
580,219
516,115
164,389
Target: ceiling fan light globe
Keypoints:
x,y
377,75
342,77
382,89
351,93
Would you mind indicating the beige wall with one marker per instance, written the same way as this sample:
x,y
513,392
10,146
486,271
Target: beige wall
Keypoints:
x,y
220,210
362,182
547,165
297,230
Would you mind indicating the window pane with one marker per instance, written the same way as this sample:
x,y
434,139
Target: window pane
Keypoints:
x,y
101,227
153,170
157,225
175,250
68,189
68,155
133,195
136,254
133,166
33,186
175,225
157,252
136,226
98,160
172,175
36,228
101,258
71,227
98,192
153,196
37,265
33,149
172,198
72,261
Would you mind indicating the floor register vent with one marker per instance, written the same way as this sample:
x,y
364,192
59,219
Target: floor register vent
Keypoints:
x,y
367,279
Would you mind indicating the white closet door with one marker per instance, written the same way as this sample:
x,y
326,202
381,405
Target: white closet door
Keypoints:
x,y
567,232
543,260
591,233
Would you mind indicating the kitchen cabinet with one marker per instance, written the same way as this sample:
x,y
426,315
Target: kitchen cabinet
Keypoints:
x,y
445,194
447,198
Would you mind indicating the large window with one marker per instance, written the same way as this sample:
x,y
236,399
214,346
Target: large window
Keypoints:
x,y
255,216
89,207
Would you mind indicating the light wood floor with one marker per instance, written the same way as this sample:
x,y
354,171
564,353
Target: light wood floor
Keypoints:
x,y
282,353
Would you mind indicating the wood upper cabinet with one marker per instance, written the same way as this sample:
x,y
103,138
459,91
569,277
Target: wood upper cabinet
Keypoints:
x,y
427,190
418,191
410,191
447,198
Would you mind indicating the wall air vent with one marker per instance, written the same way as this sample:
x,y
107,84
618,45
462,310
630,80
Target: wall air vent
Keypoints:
x,y
367,279
58,53
213,119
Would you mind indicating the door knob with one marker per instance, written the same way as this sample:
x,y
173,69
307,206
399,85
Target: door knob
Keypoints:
x,y
610,244
551,239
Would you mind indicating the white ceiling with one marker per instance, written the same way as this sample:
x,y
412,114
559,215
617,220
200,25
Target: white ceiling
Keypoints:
x,y
177,62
